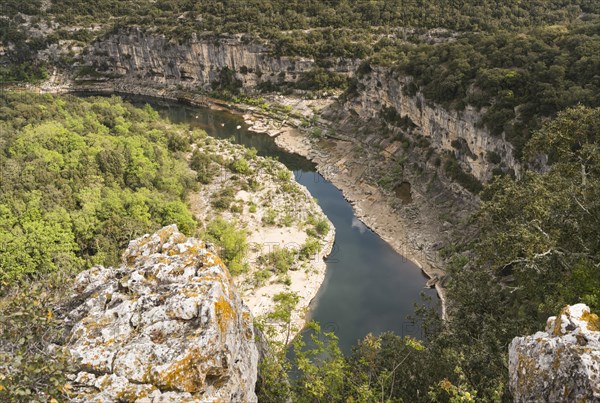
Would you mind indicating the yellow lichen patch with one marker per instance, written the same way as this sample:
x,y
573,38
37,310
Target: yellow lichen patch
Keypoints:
x,y
132,393
558,322
208,277
184,375
94,327
593,321
149,275
194,250
246,316
526,366
557,356
177,272
190,293
224,312
165,233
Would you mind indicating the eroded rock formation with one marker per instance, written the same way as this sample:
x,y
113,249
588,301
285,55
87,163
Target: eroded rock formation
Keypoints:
x,y
458,132
167,325
134,56
561,364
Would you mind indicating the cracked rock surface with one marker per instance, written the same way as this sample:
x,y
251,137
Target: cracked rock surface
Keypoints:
x,y
167,325
560,364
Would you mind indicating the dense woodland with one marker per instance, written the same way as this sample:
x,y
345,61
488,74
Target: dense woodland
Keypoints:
x,y
101,172
520,61
81,177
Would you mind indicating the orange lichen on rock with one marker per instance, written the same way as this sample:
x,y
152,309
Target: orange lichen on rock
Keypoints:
x,y
224,312
593,321
184,375
164,328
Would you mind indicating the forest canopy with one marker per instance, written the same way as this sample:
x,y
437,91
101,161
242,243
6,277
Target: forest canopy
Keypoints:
x,y
81,177
538,250
518,62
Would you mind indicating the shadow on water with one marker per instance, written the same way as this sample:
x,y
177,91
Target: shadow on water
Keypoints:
x,y
368,287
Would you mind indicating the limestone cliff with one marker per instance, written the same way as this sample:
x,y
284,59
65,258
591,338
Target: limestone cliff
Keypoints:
x,y
454,131
130,60
152,59
167,325
560,364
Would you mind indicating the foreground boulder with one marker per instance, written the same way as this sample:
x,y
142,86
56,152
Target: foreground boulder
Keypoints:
x,y
167,325
561,364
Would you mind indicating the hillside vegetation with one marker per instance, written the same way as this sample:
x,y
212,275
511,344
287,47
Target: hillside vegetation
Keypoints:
x,y
520,62
538,250
81,178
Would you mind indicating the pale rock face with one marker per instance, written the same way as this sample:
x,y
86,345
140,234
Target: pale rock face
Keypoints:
x,y
167,325
134,56
383,88
133,59
560,364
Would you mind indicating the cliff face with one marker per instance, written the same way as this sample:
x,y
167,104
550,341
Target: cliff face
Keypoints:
x,y
453,131
196,64
133,58
560,364
167,325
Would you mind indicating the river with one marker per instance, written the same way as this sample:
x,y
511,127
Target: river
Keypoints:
x,y
368,287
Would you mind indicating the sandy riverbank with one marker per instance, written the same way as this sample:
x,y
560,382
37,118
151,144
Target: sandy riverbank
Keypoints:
x,y
370,204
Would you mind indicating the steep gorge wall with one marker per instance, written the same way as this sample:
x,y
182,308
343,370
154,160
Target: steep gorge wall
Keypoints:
x,y
132,58
382,88
135,56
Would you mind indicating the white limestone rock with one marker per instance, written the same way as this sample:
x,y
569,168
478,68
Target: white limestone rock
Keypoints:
x,y
561,364
167,325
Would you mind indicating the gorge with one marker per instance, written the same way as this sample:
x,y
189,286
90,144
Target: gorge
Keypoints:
x,y
341,158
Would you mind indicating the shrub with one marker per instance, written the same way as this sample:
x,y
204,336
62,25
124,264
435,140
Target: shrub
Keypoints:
x,y
201,163
466,180
240,166
222,200
269,217
284,175
310,248
28,326
322,227
493,157
233,243
280,259
252,207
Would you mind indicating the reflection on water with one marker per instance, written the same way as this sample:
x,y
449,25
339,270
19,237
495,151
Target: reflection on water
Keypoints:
x,y
358,224
368,287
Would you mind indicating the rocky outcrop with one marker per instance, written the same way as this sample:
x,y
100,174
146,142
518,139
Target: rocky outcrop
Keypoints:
x,y
561,364
454,131
167,325
153,59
